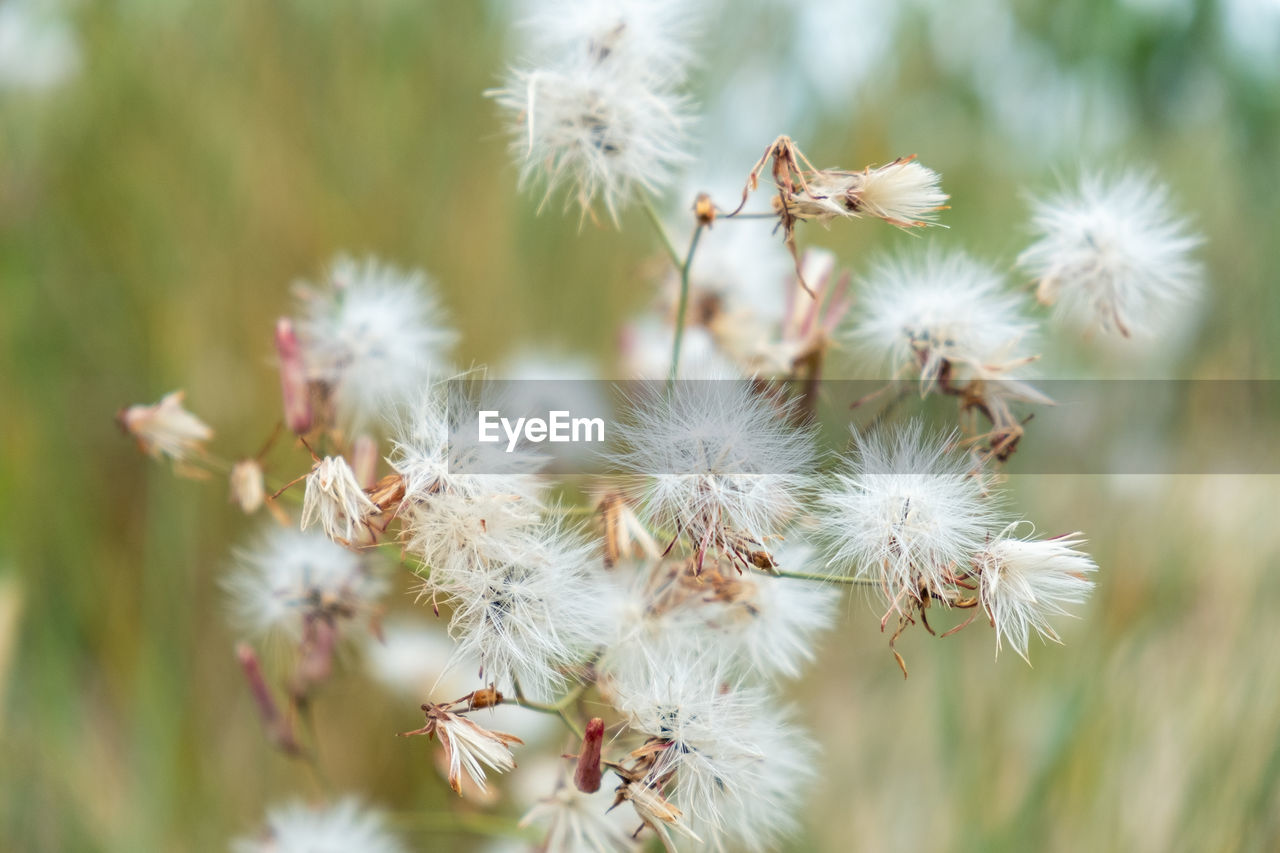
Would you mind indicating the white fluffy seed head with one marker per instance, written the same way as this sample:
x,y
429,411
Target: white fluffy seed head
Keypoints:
x,y
343,827
772,769
434,455
596,109
770,624
601,136
722,753
1113,254
289,574
713,458
906,511
373,335
920,313
529,616
1026,581
648,40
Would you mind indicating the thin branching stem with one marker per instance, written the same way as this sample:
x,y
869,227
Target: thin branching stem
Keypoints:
x,y
683,307
825,578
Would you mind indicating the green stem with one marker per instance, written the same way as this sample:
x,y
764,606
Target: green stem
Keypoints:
x,y
683,308
812,576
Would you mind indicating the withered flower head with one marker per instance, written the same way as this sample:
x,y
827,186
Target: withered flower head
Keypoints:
x,y
166,428
467,746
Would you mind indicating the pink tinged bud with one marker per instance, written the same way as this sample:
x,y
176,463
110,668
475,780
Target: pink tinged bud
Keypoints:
x,y
364,461
587,775
247,490
277,728
294,390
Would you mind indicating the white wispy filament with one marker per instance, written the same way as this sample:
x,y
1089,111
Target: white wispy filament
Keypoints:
x,y
1025,581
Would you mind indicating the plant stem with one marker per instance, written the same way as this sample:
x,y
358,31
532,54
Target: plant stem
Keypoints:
x,y
812,576
683,308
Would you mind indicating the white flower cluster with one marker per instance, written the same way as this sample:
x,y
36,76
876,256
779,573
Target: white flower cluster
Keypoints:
x,y
912,515
521,586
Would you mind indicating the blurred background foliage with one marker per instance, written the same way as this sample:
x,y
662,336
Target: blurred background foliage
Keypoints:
x,y
198,157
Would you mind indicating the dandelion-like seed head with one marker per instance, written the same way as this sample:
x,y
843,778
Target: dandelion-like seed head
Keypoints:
x,y
1026,581
1113,254
941,309
597,110
717,462
600,135
341,828
906,511
771,623
372,335
288,576
530,616
772,770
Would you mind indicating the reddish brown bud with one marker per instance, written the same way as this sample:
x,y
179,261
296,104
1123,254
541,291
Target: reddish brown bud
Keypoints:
x,y
277,728
293,379
587,775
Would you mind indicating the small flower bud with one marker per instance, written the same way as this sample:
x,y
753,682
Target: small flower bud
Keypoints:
x,y
294,390
704,210
587,775
247,491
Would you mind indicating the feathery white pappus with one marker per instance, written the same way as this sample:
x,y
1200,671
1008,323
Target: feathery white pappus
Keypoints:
x,y
771,623
1025,581
920,312
905,511
529,616
578,823
464,501
904,193
603,136
286,575
343,827
373,334
434,455
644,39
732,755
773,769
713,459
1112,253
596,109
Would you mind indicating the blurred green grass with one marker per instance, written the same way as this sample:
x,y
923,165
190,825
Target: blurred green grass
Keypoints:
x,y
152,216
